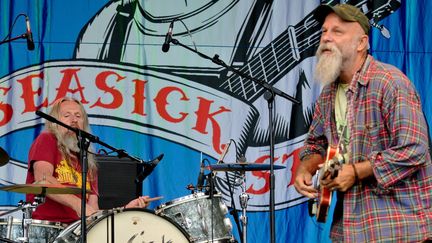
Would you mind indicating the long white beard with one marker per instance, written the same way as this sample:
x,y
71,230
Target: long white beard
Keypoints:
x,y
70,142
329,66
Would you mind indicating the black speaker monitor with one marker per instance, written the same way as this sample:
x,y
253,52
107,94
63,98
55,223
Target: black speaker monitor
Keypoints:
x,y
117,184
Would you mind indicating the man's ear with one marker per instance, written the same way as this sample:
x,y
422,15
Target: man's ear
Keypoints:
x,y
364,43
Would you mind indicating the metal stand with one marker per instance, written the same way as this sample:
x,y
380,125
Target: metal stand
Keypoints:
x,y
28,209
270,96
244,198
83,145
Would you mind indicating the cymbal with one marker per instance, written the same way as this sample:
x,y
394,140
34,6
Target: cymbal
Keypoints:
x,y
42,189
4,157
243,167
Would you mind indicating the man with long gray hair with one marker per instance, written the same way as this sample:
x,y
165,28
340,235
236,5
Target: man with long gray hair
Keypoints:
x,y
54,159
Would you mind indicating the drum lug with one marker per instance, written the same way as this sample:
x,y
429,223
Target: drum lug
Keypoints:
x,y
228,224
184,221
223,207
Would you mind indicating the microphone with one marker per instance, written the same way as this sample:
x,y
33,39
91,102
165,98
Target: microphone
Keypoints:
x,y
4,157
168,38
200,181
148,168
29,36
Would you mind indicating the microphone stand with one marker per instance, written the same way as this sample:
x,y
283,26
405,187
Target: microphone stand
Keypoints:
x,y
23,36
270,94
84,140
83,145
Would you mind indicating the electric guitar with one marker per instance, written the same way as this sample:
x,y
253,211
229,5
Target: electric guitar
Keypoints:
x,y
330,168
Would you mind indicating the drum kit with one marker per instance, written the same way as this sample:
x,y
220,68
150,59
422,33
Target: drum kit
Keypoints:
x,y
199,217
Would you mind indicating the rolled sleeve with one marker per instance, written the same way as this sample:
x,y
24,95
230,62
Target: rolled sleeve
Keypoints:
x,y
404,153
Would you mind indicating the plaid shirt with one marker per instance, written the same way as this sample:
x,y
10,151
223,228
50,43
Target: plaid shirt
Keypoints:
x,y
387,127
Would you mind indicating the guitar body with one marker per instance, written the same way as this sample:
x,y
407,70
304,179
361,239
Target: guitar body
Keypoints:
x,y
325,194
324,201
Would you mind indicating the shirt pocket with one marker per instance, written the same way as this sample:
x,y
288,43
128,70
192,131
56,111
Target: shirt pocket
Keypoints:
x,y
366,138
372,130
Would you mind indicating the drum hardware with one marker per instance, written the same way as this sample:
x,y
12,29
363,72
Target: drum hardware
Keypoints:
x,y
244,198
9,227
242,167
28,208
28,229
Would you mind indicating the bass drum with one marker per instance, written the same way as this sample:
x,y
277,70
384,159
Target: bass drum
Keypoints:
x,y
129,225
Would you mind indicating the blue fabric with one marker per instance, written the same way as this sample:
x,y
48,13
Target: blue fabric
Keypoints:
x,y
58,30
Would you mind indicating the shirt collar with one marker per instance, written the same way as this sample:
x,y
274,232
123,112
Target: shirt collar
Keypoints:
x,y
361,76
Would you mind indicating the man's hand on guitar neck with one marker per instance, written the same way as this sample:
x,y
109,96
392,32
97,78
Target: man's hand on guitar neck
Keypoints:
x,y
347,176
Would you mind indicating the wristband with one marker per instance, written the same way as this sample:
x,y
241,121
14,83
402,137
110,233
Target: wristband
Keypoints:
x,y
355,173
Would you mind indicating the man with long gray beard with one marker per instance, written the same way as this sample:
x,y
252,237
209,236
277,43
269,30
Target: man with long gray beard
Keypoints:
x,y
53,159
371,114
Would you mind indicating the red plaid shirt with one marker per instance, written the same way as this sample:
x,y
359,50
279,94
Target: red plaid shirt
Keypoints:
x,y
387,127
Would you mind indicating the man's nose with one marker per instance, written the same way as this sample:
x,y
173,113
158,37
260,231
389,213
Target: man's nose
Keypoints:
x,y
326,37
74,119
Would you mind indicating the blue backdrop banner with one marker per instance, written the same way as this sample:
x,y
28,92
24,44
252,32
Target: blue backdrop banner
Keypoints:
x,y
108,54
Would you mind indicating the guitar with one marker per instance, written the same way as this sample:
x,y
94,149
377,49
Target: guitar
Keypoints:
x,y
332,164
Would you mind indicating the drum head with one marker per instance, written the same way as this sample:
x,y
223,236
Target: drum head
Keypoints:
x,y
129,225
136,225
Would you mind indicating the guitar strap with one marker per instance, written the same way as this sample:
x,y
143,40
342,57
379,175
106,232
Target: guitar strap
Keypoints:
x,y
341,118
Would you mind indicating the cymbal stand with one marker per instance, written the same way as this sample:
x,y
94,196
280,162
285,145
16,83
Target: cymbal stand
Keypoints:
x,y
28,209
244,198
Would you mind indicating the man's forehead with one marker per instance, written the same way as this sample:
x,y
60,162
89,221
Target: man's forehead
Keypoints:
x,y
333,18
70,106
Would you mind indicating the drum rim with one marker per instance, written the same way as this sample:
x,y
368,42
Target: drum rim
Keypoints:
x,y
183,200
6,240
53,224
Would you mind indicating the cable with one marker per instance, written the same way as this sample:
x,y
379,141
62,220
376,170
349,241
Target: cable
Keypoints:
x,y
11,28
190,35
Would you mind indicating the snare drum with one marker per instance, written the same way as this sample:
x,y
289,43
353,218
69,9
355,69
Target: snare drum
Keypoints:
x,y
202,217
40,231
129,225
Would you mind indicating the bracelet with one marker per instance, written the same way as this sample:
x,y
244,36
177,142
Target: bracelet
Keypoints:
x,y
355,173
